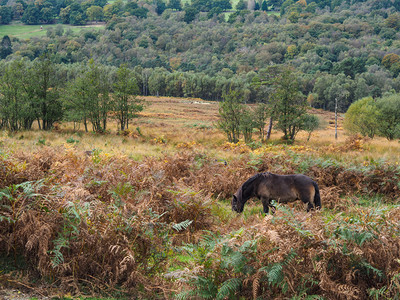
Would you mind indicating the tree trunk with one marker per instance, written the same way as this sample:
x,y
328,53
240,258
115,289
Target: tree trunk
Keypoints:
x,y
269,129
336,118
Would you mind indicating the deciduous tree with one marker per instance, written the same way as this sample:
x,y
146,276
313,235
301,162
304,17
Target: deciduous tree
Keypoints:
x,y
310,123
289,103
230,112
45,91
87,98
126,105
5,47
389,116
362,117
14,104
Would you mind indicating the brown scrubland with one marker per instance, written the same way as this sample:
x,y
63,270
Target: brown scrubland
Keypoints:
x,y
145,213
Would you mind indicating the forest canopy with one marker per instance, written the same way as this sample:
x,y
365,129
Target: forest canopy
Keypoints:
x,y
344,50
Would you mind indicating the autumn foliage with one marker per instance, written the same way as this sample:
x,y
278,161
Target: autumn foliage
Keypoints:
x,y
99,224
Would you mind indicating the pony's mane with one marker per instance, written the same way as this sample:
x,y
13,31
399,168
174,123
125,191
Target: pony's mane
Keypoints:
x,y
249,182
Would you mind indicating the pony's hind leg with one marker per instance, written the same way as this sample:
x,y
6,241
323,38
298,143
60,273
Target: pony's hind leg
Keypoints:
x,y
307,196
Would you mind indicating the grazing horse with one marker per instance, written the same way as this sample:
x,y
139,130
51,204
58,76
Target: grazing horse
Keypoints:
x,y
281,188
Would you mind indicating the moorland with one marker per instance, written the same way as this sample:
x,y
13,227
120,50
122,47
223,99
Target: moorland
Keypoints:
x,y
115,176
147,214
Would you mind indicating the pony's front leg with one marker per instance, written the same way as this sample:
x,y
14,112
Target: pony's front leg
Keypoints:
x,y
265,205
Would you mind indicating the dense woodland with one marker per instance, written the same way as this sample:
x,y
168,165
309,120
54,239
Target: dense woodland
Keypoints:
x,y
343,50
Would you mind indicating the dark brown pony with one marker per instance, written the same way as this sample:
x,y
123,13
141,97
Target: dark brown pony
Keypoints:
x,y
281,188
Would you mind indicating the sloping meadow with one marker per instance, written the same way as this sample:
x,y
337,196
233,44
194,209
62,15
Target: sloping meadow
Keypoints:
x,y
91,223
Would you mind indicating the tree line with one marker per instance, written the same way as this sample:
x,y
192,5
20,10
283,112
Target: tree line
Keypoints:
x,y
43,92
68,12
285,107
91,94
345,52
81,12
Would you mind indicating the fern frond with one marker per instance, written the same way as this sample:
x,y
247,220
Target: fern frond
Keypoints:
x,y
354,236
237,260
228,288
182,225
58,257
275,274
185,295
291,255
256,284
377,294
369,268
206,288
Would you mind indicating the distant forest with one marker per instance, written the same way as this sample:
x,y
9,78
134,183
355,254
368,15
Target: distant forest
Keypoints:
x,y
340,49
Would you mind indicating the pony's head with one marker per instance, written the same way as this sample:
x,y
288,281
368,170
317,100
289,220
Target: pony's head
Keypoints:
x,y
237,204
245,192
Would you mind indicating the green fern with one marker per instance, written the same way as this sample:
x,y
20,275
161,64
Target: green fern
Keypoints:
x,y
275,272
12,197
57,256
185,295
378,294
122,189
354,236
206,288
228,288
214,250
232,259
182,225
370,269
27,189
72,214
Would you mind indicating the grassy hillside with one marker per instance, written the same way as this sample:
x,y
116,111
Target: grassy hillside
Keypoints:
x,y
147,213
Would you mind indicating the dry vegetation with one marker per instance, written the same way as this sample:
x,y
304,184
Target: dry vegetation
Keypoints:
x,y
146,213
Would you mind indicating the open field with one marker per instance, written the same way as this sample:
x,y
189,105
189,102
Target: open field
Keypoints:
x,y
22,31
146,213
174,121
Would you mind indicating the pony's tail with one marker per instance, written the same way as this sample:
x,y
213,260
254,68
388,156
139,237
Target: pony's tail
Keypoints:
x,y
317,197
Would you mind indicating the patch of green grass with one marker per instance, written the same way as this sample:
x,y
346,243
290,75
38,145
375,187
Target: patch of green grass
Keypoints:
x,y
178,261
200,126
222,211
275,13
21,31
184,258
372,201
253,207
